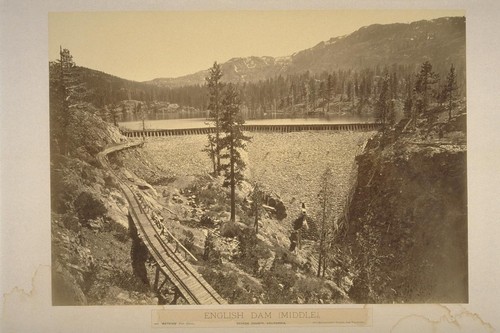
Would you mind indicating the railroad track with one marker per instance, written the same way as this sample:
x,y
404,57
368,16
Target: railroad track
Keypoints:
x,y
162,245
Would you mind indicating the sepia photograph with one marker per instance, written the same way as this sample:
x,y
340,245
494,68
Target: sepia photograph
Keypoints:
x,y
286,157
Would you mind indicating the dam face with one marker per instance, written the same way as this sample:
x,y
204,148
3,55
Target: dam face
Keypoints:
x,y
289,164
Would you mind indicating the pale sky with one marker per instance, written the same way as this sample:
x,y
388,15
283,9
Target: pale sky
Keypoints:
x,y
146,45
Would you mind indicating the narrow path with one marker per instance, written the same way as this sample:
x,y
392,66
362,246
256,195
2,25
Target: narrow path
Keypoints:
x,y
169,255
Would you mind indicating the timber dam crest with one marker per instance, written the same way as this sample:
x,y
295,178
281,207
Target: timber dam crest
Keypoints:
x,y
254,128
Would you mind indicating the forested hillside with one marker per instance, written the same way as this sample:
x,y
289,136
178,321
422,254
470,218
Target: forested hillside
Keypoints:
x,y
342,75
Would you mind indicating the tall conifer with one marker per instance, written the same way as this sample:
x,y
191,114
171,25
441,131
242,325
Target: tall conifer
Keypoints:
x,y
215,87
234,140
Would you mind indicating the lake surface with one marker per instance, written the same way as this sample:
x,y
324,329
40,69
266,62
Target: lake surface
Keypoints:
x,y
202,122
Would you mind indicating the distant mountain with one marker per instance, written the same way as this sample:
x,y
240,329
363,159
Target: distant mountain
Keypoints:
x,y
235,70
441,41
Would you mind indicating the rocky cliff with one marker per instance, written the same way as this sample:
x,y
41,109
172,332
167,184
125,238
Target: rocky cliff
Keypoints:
x,y
91,245
408,218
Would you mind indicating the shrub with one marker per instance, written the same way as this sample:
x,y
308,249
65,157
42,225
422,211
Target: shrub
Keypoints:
x,y
208,192
89,206
311,289
128,281
207,221
110,182
283,257
279,282
251,250
230,230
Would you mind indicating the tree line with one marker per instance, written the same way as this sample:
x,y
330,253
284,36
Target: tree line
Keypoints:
x,y
354,91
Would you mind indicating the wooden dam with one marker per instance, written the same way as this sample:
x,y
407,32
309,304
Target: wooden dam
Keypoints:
x,y
253,128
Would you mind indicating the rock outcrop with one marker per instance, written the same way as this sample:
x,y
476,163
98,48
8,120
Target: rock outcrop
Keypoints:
x,y
408,221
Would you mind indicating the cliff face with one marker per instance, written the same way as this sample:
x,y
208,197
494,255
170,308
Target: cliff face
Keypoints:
x,y
408,227
91,244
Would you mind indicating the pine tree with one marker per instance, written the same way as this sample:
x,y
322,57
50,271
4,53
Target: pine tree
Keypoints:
x,y
231,124
408,104
449,90
330,86
426,79
312,94
394,86
215,88
383,104
349,91
66,91
323,93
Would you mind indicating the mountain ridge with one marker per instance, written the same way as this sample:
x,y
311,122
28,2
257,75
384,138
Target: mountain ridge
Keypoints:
x,y
441,41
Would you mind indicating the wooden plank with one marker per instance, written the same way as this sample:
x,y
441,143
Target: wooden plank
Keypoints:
x,y
192,286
